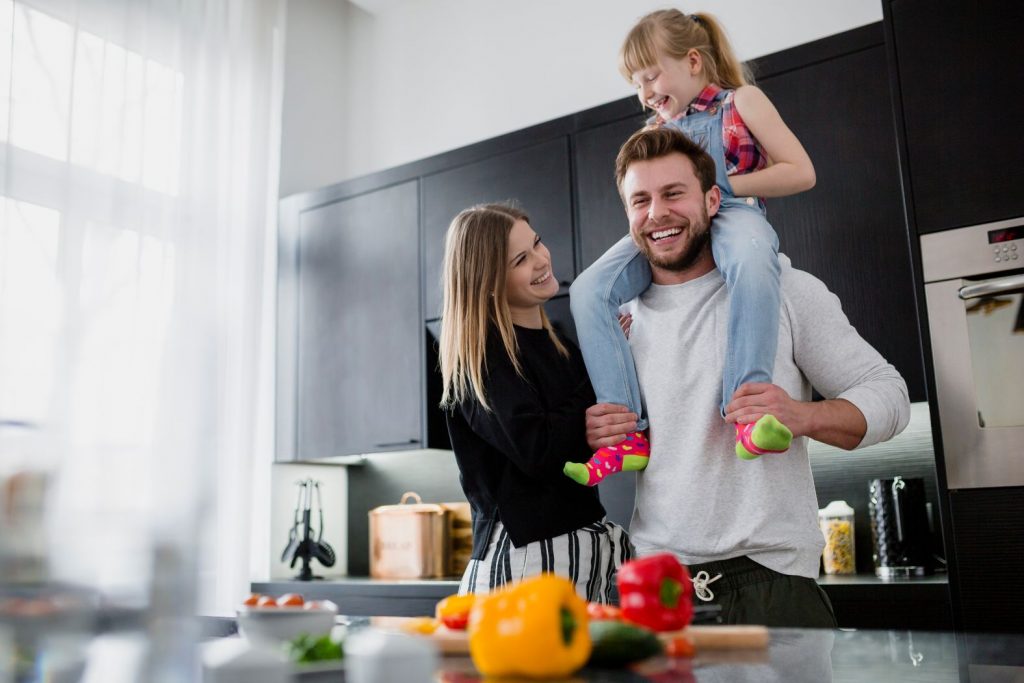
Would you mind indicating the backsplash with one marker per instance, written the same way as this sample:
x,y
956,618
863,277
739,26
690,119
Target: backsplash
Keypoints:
x,y
838,475
382,478
844,475
284,494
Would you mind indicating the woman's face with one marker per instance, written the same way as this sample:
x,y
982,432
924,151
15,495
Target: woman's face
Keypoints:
x,y
529,281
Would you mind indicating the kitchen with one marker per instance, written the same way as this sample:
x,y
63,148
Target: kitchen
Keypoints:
x,y
320,112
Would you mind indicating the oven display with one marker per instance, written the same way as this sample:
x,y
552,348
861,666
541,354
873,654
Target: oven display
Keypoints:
x,y
1006,234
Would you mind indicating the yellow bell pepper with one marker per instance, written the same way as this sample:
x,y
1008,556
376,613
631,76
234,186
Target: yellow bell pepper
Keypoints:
x,y
537,628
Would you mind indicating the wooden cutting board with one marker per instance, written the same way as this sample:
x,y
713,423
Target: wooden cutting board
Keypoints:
x,y
704,638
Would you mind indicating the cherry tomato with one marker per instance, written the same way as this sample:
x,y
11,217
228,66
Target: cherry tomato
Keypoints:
x,y
599,612
680,647
252,599
266,601
290,600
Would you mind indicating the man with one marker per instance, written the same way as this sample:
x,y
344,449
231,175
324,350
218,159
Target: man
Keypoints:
x,y
747,529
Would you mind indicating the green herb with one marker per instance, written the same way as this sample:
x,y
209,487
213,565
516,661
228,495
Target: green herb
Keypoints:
x,y
305,648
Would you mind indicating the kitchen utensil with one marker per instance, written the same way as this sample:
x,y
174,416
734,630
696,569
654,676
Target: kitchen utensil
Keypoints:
x,y
309,547
293,533
322,550
408,540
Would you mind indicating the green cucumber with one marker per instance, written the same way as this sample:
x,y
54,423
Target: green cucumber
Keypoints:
x,y
616,643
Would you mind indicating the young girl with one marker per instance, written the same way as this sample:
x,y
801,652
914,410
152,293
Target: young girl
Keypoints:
x,y
515,395
685,71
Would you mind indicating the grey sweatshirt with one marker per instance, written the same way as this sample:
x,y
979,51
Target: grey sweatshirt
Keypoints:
x,y
696,499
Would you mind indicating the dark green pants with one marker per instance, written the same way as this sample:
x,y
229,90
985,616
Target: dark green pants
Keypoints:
x,y
750,593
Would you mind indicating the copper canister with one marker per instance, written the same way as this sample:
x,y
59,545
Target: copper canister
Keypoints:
x,y
409,540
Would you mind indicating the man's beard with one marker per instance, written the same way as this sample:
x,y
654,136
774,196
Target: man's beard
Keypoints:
x,y
699,238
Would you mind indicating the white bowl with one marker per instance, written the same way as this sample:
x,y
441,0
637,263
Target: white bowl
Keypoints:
x,y
278,624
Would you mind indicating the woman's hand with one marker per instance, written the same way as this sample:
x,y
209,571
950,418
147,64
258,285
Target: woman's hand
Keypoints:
x,y
608,424
625,322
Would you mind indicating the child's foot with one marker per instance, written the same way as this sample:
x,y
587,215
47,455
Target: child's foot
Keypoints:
x,y
630,454
767,435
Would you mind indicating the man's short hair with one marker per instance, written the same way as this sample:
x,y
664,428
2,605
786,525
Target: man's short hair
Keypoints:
x,y
654,143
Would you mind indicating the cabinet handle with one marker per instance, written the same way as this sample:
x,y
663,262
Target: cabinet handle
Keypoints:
x,y
410,442
1001,286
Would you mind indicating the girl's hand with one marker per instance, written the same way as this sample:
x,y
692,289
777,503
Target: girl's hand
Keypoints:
x,y
790,169
608,424
625,322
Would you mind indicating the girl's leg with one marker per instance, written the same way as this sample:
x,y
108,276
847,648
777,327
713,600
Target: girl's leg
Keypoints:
x,y
620,275
745,248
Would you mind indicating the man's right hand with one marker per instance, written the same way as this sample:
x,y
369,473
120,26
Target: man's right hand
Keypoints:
x,y
608,424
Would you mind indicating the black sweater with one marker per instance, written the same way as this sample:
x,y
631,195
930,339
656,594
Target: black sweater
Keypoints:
x,y
510,458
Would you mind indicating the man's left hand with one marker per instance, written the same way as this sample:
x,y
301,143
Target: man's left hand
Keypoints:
x,y
755,399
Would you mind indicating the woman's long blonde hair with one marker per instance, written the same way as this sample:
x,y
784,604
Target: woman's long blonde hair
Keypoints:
x,y
473,280
670,32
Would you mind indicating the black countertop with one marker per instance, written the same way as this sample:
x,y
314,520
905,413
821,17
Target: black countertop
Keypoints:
x,y
797,655
822,656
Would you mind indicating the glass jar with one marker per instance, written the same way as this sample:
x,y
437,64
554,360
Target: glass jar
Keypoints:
x,y
836,523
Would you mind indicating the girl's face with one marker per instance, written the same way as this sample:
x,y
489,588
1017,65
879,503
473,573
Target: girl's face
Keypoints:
x,y
668,86
529,281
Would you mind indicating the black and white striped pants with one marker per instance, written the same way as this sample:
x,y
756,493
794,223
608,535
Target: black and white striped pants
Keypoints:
x,y
589,557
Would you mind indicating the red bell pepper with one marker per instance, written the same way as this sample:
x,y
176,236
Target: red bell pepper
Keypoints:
x,y
656,592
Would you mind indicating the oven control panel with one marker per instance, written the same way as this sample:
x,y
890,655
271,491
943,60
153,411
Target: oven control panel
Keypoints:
x,y
1004,242
973,251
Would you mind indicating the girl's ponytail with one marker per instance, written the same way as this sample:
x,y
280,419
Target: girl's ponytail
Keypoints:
x,y
674,33
731,72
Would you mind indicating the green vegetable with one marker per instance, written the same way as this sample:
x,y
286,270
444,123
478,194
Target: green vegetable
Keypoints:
x,y
616,643
305,648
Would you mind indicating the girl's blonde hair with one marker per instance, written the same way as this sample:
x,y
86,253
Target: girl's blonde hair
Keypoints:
x,y
473,278
670,32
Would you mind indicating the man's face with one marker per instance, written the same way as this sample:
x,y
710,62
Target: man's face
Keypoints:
x,y
669,215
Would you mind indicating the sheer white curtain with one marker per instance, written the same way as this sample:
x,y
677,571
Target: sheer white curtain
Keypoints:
x,y
138,179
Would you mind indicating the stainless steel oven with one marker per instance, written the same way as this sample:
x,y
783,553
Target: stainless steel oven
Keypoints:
x,y
974,288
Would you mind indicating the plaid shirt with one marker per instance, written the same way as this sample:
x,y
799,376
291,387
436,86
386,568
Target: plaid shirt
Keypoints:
x,y
743,153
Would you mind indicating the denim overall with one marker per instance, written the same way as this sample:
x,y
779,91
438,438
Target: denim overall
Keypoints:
x,y
745,248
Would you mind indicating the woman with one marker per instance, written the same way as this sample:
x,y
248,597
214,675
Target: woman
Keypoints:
x,y
515,395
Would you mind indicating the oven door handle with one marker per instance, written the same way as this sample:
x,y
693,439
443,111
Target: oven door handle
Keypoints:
x,y
1000,286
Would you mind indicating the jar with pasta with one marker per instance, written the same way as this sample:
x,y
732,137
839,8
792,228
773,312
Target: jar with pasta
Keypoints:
x,y
836,522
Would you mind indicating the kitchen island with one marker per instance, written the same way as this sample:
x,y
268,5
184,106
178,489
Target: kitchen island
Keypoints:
x,y
799,655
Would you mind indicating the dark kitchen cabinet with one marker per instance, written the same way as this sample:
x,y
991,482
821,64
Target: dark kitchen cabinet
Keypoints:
x,y
849,230
536,178
602,217
961,109
357,372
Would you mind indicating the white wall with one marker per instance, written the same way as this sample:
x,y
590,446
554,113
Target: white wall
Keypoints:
x,y
334,493
314,117
422,77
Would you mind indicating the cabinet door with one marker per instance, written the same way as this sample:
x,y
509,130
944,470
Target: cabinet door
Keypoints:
x,y
536,178
849,230
359,328
962,109
602,216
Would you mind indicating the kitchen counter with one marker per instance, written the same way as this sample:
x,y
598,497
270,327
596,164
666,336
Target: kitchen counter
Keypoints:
x,y
861,601
363,596
819,655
